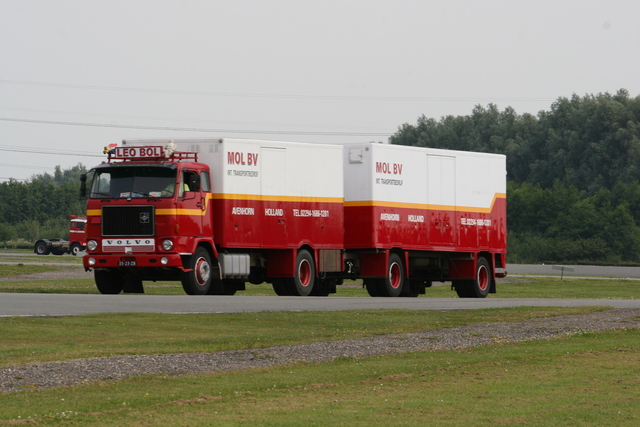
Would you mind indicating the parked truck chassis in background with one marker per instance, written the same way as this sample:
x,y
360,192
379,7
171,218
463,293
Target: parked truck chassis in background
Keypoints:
x,y
215,214
58,246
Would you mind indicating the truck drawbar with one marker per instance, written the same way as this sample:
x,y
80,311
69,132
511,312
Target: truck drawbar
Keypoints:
x,y
215,214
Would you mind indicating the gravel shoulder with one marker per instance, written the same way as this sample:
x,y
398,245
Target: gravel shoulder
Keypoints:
x,y
58,374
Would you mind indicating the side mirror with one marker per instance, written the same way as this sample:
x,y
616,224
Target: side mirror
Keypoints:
x,y
83,185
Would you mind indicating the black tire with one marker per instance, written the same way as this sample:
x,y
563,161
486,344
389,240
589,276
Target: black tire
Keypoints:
x,y
478,287
391,286
108,282
198,281
230,287
323,287
280,288
305,275
462,288
373,287
413,288
41,248
483,279
75,248
133,285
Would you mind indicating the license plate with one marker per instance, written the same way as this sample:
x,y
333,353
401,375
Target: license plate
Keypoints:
x,y
127,263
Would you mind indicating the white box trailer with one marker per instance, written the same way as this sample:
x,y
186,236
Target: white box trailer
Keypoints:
x,y
441,212
424,198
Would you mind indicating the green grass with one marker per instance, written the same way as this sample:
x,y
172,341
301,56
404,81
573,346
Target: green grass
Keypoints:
x,y
531,288
585,380
34,339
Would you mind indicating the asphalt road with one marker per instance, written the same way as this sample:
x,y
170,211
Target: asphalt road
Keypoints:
x,y
573,270
19,304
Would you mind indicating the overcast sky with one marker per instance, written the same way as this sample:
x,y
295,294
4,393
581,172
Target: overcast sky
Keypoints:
x,y
78,75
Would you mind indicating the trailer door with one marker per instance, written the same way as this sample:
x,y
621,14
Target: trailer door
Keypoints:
x,y
274,187
441,199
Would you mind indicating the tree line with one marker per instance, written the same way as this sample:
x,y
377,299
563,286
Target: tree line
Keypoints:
x,y
573,179
573,173
41,206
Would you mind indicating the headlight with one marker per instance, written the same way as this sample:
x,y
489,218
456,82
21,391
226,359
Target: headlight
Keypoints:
x,y
92,245
167,245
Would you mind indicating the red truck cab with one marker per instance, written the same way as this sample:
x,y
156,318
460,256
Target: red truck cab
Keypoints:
x,y
146,214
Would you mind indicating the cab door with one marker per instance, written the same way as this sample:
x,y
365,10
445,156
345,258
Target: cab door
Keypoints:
x,y
193,203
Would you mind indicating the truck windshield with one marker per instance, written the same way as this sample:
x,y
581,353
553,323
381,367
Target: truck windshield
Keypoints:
x,y
133,182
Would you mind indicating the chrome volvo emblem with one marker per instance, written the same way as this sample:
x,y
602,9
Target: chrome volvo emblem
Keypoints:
x,y
144,217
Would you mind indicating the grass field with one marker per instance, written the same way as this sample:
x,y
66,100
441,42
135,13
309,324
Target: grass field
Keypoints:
x,y
524,288
35,339
582,380
588,379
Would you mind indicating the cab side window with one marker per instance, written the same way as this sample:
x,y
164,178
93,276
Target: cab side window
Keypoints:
x,y
190,182
204,182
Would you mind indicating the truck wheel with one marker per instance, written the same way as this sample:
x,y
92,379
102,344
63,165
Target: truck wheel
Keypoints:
x,y
373,287
323,287
478,287
280,288
133,285
41,248
463,288
198,280
230,287
302,283
413,288
482,282
75,248
391,285
108,282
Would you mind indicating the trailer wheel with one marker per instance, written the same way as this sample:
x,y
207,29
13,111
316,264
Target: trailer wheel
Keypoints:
x,y
198,280
108,282
392,284
41,248
305,275
482,283
478,287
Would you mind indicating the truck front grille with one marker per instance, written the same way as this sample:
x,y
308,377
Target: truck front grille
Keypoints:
x,y
128,221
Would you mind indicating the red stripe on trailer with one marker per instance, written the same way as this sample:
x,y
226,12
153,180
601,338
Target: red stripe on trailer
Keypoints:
x,y
276,224
380,226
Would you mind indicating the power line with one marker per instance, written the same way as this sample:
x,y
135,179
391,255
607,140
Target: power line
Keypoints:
x,y
186,129
55,151
25,166
276,95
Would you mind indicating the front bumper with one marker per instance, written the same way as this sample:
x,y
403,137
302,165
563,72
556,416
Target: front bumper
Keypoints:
x,y
132,261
